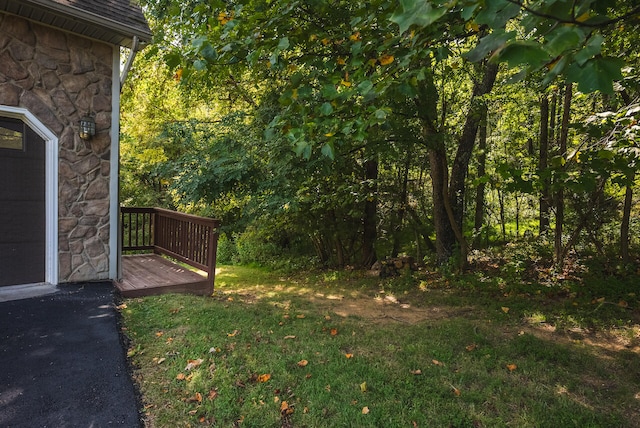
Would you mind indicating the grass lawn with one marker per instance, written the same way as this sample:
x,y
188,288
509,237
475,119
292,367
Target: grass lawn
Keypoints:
x,y
339,349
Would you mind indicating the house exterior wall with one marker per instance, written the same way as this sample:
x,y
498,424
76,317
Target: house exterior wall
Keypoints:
x,y
60,77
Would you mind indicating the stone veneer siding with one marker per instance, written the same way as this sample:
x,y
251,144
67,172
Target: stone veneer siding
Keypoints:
x,y
60,77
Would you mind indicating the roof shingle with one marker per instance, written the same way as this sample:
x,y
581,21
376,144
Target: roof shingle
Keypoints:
x,y
113,21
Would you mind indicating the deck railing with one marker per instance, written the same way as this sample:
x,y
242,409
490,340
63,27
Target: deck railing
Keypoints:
x,y
187,238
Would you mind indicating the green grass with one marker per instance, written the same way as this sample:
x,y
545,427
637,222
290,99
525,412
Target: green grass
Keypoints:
x,y
479,366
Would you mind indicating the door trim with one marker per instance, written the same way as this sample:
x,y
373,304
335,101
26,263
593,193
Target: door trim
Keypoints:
x,y
51,186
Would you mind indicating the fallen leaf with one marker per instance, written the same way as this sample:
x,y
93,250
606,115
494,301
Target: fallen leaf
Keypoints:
x,y
214,349
159,333
334,332
308,376
327,317
289,337
348,356
192,364
169,340
285,409
363,387
264,378
213,394
303,363
437,363
232,334
505,309
417,372
161,360
623,304
300,316
181,376
122,306
365,410
511,367
456,392
471,347
196,398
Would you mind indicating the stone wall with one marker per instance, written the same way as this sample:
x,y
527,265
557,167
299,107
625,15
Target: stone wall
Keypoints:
x,y
60,77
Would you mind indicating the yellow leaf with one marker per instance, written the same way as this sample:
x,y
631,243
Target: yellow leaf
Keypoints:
x,y
313,38
355,36
325,41
345,83
583,17
294,94
178,75
386,59
363,387
303,363
341,61
372,62
232,334
511,367
264,378
505,309
365,410
348,356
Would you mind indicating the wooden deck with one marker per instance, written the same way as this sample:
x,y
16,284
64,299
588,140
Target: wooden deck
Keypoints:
x,y
158,232
152,274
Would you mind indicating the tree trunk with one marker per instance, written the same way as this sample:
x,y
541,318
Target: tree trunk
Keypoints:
x,y
370,211
478,219
564,132
467,140
445,236
543,163
397,227
624,226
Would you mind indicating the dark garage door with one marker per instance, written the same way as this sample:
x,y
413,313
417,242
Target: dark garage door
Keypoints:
x,y
22,204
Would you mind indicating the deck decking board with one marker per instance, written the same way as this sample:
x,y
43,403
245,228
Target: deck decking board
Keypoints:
x,y
152,274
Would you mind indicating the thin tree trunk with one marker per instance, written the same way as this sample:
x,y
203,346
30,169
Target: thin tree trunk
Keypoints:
x,y
564,132
397,227
543,163
370,211
502,219
624,226
480,196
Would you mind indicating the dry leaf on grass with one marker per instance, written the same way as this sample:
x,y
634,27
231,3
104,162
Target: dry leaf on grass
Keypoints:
x,y
365,410
303,363
192,364
264,378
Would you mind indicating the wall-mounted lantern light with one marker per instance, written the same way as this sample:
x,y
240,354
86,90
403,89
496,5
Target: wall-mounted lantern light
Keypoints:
x,y
87,127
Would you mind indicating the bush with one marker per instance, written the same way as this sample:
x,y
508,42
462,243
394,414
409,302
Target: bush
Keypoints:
x,y
226,250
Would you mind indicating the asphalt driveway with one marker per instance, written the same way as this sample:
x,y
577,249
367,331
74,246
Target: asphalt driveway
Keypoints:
x,y
62,363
